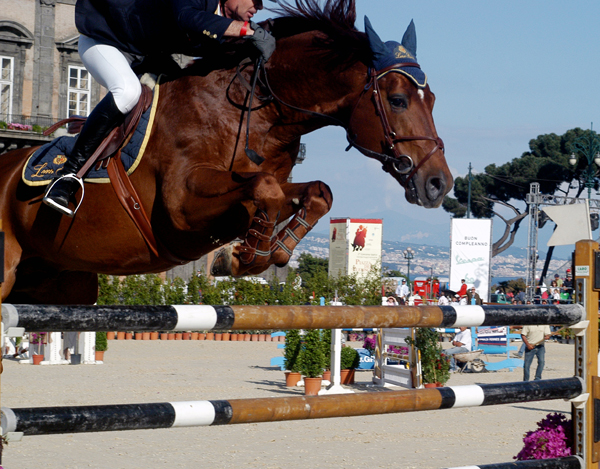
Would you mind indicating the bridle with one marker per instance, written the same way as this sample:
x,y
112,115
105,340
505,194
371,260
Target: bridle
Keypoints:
x,y
400,163
407,171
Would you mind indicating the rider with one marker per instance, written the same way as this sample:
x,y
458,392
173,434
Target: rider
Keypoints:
x,y
118,34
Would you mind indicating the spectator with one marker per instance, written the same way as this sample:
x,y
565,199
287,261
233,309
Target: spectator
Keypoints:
x,y
461,344
442,300
558,280
567,286
534,338
402,291
473,295
391,301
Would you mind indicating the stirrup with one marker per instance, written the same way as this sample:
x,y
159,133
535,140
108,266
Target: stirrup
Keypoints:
x,y
64,210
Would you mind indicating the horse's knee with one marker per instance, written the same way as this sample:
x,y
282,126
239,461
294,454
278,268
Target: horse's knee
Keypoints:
x,y
318,198
266,190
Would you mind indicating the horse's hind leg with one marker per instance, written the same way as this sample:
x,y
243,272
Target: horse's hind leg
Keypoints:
x,y
308,202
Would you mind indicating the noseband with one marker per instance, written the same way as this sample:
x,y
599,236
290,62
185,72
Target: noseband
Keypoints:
x,y
398,161
402,164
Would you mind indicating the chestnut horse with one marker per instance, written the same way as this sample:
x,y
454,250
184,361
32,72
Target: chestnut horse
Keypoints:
x,y
200,189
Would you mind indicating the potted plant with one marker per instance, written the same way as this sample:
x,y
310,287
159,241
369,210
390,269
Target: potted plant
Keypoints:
x,y
326,350
291,357
37,338
101,345
311,362
349,362
435,367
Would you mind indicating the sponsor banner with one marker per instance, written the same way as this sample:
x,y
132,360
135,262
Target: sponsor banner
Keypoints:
x,y
354,246
492,335
471,255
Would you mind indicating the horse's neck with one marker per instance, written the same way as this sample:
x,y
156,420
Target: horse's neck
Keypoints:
x,y
313,82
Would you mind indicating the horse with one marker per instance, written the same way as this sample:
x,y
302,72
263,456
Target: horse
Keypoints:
x,y
200,188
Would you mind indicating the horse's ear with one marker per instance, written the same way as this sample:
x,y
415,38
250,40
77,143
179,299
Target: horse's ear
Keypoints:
x,y
409,40
377,46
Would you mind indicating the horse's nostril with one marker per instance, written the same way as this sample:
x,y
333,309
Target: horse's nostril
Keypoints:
x,y
435,187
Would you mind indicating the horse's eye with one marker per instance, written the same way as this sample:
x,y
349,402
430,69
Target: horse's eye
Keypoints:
x,y
398,102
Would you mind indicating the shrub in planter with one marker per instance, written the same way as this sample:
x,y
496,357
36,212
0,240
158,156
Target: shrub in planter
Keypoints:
x,y
101,342
291,351
552,439
311,357
349,358
435,366
326,348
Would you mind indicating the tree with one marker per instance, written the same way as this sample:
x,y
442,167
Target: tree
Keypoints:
x,y
309,266
546,162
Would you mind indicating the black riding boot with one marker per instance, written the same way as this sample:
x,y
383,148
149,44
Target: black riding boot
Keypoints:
x,y
105,117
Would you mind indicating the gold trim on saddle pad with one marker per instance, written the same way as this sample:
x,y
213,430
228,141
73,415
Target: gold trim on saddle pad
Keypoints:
x,y
101,180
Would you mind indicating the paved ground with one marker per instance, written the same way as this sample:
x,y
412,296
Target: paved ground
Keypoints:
x,y
158,371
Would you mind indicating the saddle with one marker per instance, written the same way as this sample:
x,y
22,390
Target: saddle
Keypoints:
x,y
108,154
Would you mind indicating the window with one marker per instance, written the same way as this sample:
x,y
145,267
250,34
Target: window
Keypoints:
x,y
79,92
6,87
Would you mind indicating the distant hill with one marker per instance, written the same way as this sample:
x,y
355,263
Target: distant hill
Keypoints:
x,y
429,259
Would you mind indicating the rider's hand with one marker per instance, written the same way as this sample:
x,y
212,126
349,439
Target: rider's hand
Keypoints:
x,y
262,40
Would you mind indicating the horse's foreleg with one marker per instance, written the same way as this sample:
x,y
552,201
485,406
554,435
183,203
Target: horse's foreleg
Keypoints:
x,y
249,204
308,202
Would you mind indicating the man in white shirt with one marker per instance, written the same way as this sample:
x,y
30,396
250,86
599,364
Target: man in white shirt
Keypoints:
x,y
402,290
461,344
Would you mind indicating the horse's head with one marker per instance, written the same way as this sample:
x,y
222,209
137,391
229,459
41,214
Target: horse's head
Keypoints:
x,y
392,121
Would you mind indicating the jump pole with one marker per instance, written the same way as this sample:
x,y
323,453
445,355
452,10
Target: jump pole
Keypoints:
x,y
79,419
204,317
569,462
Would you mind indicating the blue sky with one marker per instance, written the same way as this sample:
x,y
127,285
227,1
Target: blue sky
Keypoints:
x,y
503,73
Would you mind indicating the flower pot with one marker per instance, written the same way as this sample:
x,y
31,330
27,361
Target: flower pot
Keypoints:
x,y
37,359
292,378
171,336
254,337
128,335
347,376
262,337
312,386
178,335
194,336
139,336
153,335
247,337
186,336
145,335
268,338
233,337
431,385
120,335
99,356
226,336
218,336
210,336
75,359
327,375
110,336
201,336
164,336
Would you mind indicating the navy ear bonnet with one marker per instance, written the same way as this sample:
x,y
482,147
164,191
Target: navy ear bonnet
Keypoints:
x,y
391,53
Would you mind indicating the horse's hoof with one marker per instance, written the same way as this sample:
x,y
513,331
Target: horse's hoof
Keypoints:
x,y
221,264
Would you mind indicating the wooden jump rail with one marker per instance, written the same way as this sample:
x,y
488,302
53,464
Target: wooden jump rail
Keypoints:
x,y
585,384
52,420
203,317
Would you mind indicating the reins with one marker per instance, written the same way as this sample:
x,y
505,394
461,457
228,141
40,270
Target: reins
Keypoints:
x,y
398,160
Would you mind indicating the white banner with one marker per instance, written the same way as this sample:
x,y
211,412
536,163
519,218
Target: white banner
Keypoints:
x,y
471,255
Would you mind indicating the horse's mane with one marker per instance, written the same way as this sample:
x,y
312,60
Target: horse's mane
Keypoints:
x,y
335,18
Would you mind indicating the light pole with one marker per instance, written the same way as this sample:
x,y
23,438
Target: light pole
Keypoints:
x,y
589,146
409,254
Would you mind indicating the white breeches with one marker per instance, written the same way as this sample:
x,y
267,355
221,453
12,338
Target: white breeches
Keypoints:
x,y
112,70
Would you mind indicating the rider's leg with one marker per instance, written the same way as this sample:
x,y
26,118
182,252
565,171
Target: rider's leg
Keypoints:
x,y
112,70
